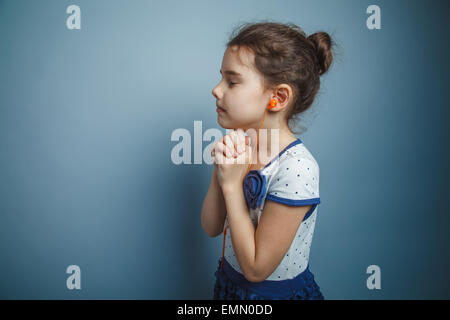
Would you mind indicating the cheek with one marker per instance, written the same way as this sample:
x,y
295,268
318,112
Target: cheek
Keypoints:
x,y
243,105
244,114
241,101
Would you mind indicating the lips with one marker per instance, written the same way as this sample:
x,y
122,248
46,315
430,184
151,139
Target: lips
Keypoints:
x,y
219,109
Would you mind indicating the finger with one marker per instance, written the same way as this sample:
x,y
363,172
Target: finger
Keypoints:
x,y
228,141
234,138
213,150
222,149
226,150
229,152
252,140
240,140
218,148
247,140
252,134
219,157
247,155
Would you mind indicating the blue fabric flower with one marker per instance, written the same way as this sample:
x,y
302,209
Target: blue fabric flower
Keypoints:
x,y
254,188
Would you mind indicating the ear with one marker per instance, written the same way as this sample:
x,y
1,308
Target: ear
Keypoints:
x,y
283,94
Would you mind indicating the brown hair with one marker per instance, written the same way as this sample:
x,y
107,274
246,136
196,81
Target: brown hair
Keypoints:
x,y
284,54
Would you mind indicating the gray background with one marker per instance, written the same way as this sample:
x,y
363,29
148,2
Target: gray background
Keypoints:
x,y
86,176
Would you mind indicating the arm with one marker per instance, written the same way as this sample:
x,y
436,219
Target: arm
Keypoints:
x,y
260,251
241,229
213,210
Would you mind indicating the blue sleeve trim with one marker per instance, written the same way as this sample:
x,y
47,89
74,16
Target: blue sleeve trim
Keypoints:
x,y
310,212
292,202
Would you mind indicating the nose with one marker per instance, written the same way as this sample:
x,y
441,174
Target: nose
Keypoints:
x,y
215,92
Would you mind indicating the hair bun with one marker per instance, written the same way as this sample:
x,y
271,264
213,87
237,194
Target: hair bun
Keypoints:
x,y
322,43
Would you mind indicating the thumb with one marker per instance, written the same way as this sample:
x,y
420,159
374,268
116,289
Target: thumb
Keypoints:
x,y
252,135
248,154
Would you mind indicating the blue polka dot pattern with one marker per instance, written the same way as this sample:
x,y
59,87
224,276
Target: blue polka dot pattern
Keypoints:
x,y
293,180
298,187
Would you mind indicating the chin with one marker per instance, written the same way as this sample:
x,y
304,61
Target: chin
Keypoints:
x,y
228,126
223,124
231,125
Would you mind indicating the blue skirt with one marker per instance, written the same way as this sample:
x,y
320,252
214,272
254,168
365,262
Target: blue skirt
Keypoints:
x,y
232,285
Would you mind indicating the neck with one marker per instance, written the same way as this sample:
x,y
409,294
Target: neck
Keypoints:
x,y
271,141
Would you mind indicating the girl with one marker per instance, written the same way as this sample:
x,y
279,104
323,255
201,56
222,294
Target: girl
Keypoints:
x,y
268,206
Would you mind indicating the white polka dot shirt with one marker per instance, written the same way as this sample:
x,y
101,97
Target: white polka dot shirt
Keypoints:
x,y
293,179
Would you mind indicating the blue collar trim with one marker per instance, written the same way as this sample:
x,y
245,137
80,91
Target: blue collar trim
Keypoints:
x,y
293,143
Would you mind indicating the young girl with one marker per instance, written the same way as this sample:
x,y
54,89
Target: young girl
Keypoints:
x,y
270,74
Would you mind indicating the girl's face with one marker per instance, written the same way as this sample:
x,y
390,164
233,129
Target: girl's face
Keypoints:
x,y
240,93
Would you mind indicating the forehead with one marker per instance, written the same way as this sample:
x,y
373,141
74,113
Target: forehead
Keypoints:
x,y
240,60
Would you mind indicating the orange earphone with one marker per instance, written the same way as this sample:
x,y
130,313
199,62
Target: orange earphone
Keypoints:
x,y
273,104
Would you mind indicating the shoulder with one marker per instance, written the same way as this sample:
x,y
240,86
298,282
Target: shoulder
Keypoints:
x,y
294,179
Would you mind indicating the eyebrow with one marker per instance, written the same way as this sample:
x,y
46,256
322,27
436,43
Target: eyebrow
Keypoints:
x,y
231,72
